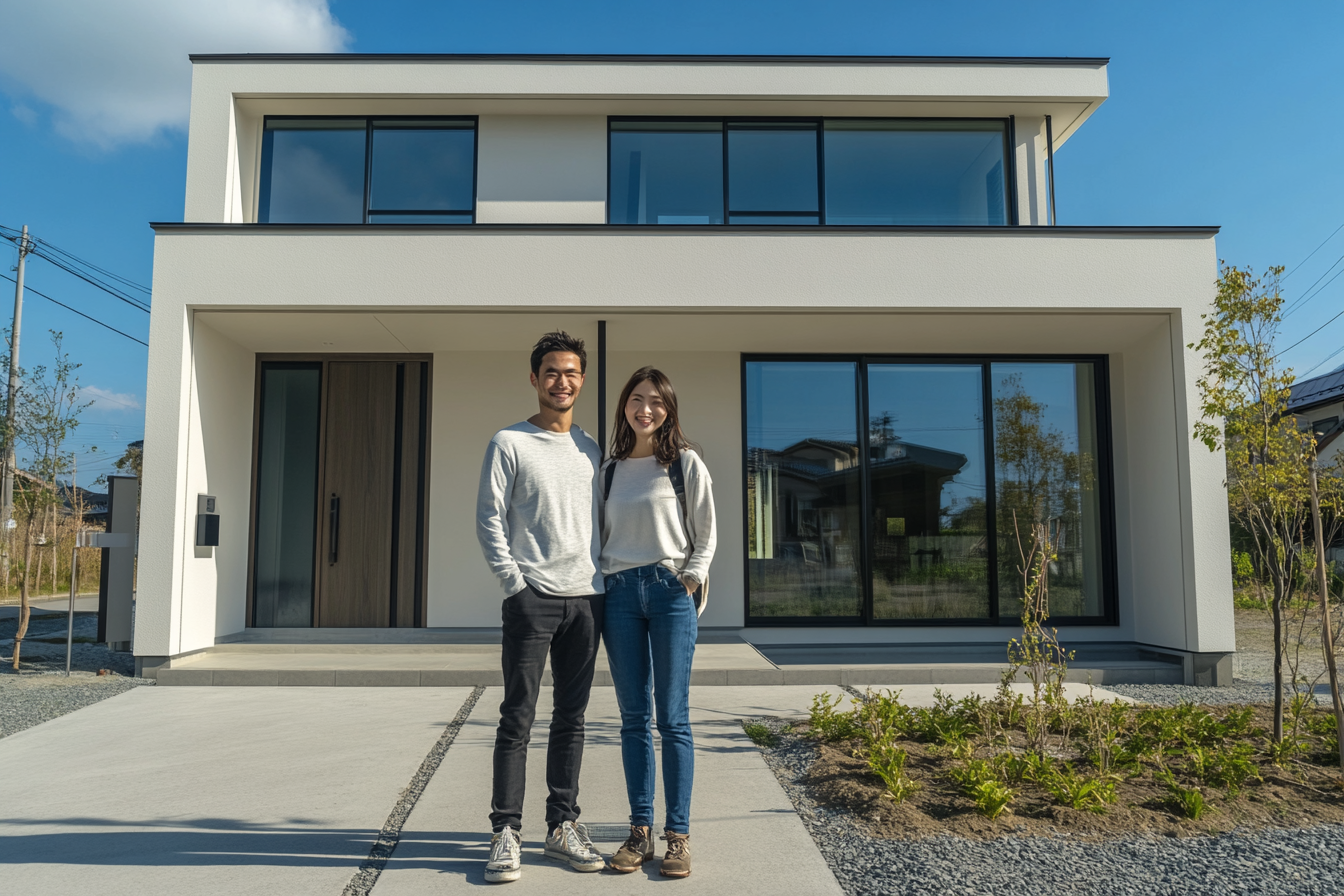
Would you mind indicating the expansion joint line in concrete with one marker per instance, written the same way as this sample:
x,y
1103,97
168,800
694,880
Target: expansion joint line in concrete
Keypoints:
x,y
361,883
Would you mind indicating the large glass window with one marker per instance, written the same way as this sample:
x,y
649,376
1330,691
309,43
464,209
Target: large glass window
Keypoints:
x,y
910,516
877,171
898,171
926,445
286,516
666,172
357,170
1046,472
772,173
422,172
803,533
312,172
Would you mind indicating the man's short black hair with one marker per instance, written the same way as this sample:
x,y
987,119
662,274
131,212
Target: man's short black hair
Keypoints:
x,y
558,341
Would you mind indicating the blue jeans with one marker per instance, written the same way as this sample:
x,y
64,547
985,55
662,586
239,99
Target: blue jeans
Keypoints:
x,y
649,632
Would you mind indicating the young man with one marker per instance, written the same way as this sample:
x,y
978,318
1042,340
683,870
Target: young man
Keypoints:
x,y
535,517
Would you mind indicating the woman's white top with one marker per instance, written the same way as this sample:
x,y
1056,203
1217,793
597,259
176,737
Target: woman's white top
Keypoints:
x,y
641,518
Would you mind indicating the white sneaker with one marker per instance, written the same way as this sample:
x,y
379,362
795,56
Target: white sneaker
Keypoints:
x,y
570,843
506,857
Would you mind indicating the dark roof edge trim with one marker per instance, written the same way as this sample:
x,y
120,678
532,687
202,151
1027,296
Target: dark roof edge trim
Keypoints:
x,y
725,229
577,57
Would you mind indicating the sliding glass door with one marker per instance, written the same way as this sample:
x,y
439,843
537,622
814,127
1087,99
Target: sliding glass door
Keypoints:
x,y
891,490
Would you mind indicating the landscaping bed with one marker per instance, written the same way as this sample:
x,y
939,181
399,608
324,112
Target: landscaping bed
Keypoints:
x,y
980,768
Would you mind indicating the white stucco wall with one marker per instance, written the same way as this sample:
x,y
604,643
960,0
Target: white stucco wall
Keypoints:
x,y
478,301
213,457
543,149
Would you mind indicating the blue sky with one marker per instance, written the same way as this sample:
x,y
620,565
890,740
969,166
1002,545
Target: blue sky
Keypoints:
x,y
1223,113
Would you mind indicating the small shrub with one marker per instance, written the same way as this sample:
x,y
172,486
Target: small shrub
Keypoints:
x,y
887,761
828,722
1282,753
1078,791
1186,802
991,798
1228,767
1014,767
760,734
883,715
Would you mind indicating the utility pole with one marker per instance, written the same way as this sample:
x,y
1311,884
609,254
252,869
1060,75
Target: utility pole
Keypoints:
x,y
7,496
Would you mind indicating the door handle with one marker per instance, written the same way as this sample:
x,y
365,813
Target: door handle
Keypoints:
x,y
334,526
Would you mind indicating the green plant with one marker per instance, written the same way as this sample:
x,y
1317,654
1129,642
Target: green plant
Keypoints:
x,y
991,798
887,761
1078,791
1014,767
882,715
1187,802
1230,767
760,734
828,722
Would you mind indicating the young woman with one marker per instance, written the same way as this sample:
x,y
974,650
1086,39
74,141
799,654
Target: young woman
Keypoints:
x,y
656,549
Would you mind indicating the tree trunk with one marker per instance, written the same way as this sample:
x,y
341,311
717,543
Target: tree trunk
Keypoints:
x,y
24,610
1279,597
1327,630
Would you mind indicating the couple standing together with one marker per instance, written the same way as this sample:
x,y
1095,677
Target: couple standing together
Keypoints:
x,y
587,550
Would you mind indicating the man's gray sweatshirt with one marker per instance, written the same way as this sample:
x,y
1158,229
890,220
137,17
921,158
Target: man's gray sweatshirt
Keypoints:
x,y
536,510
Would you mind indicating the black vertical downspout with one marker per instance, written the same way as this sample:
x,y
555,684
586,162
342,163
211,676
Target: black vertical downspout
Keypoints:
x,y
1012,165
602,386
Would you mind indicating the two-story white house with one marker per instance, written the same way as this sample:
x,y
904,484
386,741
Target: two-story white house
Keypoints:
x,y
849,267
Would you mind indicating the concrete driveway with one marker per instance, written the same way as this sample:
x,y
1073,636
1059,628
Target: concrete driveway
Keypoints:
x,y
284,790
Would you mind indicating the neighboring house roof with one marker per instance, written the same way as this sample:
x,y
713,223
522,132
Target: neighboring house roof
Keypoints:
x,y
1324,389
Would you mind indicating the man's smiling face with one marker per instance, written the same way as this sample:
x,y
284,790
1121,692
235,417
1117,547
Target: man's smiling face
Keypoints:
x,y
559,381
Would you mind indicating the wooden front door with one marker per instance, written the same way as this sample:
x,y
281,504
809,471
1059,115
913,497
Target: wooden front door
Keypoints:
x,y
368,554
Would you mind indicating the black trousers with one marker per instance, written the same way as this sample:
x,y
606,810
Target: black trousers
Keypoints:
x,y
568,628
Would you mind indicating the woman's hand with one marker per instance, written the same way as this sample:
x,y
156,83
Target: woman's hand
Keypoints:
x,y
690,583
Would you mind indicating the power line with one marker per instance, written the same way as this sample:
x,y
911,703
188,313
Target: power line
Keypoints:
x,y
73,265
1313,332
88,264
1326,360
1307,294
76,311
1313,252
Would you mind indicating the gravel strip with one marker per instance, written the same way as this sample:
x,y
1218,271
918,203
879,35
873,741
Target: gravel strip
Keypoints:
x,y
30,699
1296,862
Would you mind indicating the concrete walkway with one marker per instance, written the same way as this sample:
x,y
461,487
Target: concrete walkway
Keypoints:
x,y
284,790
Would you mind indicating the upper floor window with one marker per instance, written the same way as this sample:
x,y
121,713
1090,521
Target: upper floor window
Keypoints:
x,y
368,170
872,171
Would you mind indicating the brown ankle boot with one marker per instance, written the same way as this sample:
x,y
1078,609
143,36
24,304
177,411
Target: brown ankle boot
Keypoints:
x,y
635,851
677,862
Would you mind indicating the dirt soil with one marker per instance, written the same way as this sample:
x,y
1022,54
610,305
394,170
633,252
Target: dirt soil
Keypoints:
x,y
1308,795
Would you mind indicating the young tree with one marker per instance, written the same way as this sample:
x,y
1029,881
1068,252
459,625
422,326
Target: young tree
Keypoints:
x,y
46,418
1244,396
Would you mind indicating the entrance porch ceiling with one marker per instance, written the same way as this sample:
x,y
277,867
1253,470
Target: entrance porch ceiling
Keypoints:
x,y
895,332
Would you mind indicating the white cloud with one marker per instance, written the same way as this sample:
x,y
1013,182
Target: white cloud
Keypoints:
x,y
106,399
117,72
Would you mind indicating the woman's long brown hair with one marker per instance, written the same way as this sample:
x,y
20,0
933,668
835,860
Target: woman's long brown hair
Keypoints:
x,y
668,440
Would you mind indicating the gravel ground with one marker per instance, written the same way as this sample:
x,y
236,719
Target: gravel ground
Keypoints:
x,y
40,691
1296,862
1172,694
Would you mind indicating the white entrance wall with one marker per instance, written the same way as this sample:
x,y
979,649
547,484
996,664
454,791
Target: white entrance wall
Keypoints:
x,y
692,304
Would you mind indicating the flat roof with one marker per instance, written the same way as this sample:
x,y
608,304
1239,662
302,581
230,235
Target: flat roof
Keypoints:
x,y
652,58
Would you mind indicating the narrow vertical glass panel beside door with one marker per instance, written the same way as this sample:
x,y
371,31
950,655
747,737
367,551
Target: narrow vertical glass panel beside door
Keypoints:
x,y
772,173
666,172
286,508
312,171
422,168
803,490
901,171
926,474
1046,475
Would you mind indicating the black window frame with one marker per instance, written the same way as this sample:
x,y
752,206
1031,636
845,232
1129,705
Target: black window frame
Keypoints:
x,y
370,122
819,121
1105,474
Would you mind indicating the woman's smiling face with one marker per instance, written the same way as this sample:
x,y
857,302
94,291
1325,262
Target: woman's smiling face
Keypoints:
x,y
645,411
